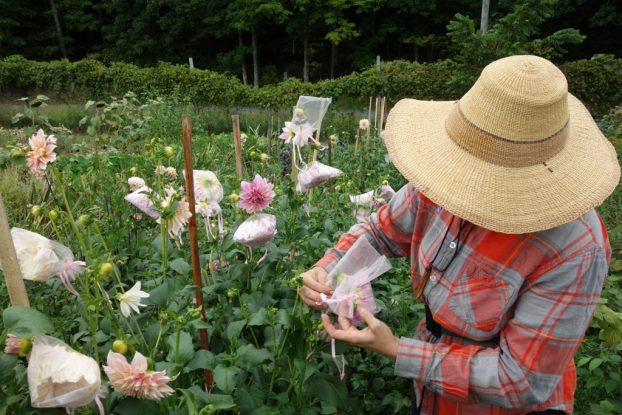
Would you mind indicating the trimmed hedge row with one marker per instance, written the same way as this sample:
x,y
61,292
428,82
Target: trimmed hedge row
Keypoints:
x,y
597,82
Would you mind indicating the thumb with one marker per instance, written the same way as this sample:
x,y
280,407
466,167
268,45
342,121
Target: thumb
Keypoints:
x,y
368,318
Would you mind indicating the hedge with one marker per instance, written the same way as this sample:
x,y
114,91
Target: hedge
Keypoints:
x,y
597,82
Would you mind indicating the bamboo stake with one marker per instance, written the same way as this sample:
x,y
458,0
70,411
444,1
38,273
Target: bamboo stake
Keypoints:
x,y
369,110
239,166
186,128
10,265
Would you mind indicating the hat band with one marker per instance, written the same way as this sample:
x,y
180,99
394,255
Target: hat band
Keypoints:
x,y
500,150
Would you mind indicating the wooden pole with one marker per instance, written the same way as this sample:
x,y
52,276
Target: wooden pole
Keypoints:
x,y
269,131
369,111
382,107
239,166
10,265
186,128
376,114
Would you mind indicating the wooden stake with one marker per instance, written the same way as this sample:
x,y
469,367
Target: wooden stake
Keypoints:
x,y
239,166
369,111
377,104
10,265
186,128
382,106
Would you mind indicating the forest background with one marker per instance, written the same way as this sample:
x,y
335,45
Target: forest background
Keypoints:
x,y
264,41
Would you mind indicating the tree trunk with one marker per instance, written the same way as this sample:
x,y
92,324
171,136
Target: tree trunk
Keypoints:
x,y
255,58
241,44
305,57
483,26
333,59
59,32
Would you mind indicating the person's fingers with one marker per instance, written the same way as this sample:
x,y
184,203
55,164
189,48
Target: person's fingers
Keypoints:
x,y
344,322
369,319
315,279
312,298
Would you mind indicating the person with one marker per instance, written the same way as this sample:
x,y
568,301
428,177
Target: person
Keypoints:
x,y
507,251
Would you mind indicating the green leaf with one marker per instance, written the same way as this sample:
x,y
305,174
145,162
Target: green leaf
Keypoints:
x,y
202,359
132,406
26,322
190,404
258,318
221,401
597,361
180,266
185,351
234,328
7,368
583,360
226,377
249,356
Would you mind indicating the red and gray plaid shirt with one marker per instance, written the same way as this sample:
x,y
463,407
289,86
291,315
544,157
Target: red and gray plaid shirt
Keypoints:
x,y
520,305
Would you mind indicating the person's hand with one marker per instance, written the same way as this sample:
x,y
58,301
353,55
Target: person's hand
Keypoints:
x,y
377,336
314,284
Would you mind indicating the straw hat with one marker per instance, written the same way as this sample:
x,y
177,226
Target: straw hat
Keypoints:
x,y
516,154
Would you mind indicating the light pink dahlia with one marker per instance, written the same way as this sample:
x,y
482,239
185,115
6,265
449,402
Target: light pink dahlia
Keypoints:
x,y
255,196
135,379
41,151
297,134
179,219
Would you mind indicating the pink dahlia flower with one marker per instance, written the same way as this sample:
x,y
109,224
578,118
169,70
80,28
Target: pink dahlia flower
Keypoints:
x,y
17,345
255,196
178,221
41,151
135,379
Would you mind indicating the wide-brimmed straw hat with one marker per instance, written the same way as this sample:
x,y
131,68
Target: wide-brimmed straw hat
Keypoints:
x,y
516,154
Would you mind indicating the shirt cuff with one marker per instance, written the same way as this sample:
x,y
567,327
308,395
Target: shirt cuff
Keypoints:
x,y
413,359
328,262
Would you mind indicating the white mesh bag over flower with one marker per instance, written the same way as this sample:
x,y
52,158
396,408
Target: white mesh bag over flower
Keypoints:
x,y
41,258
58,376
257,230
315,174
351,279
314,109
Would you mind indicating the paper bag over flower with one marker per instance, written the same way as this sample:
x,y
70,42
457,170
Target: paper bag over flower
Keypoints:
x,y
58,376
351,279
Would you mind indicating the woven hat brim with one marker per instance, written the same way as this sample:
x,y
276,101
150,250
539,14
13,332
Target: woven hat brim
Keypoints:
x,y
499,198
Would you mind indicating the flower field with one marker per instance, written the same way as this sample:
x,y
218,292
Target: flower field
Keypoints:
x,y
106,253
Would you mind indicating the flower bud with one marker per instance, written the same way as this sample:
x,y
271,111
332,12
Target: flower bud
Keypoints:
x,y
85,220
36,210
105,269
119,346
252,154
385,182
234,198
264,157
133,170
53,214
168,151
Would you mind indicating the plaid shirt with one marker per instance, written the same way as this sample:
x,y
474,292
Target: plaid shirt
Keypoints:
x,y
520,305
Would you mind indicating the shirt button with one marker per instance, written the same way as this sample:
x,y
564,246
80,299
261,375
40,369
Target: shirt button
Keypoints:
x,y
452,245
433,278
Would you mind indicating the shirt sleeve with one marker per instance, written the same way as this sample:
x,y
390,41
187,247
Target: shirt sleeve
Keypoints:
x,y
536,346
389,230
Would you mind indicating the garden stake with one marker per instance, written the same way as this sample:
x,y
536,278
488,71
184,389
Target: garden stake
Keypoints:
x,y
383,103
369,110
192,233
269,132
239,167
376,113
10,265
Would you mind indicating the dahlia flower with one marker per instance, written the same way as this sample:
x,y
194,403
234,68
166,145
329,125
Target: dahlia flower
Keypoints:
x,y
207,186
178,220
140,199
41,152
364,124
135,183
17,345
130,300
255,196
135,380
297,134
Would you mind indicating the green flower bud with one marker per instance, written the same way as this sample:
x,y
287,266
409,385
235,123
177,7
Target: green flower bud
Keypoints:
x,y
85,220
119,346
36,210
169,152
53,214
105,269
